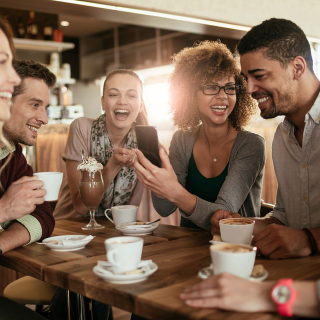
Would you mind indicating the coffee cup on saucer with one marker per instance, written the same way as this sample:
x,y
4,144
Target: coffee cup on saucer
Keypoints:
x,y
236,230
122,214
233,258
51,183
124,253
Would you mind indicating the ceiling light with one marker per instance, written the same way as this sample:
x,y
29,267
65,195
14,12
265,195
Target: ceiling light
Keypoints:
x,y
64,23
167,16
158,14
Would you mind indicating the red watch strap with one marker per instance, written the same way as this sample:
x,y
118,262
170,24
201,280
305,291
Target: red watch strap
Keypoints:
x,y
285,309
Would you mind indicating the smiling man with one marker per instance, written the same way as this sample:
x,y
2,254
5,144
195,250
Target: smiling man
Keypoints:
x,y
23,212
276,60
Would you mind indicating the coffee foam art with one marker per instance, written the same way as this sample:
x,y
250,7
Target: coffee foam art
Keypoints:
x,y
237,221
231,248
90,164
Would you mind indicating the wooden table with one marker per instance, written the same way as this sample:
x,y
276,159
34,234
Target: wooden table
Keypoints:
x,y
31,260
179,253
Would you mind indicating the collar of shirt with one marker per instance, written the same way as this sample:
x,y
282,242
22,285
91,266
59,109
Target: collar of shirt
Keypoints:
x,y
313,113
5,150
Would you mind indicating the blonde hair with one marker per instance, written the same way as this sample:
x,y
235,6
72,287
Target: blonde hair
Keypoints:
x,y
142,118
5,28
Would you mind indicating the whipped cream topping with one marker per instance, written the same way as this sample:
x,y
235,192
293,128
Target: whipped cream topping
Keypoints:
x,y
90,165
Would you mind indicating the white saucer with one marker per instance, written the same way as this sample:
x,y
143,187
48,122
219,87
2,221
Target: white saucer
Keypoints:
x,y
138,230
70,247
123,278
208,272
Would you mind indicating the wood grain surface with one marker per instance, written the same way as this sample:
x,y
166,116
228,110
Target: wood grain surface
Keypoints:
x,y
179,262
179,253
31,259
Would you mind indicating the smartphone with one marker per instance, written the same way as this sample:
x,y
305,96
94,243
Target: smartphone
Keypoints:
x,y
148,143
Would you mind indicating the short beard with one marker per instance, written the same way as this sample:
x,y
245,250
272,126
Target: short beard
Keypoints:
x,y
284,107
273,112
16,138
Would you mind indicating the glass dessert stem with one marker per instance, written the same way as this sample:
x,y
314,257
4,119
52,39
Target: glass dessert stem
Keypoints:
x,y
92,225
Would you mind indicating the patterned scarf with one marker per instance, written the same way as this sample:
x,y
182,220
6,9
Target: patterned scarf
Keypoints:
x,y
120,189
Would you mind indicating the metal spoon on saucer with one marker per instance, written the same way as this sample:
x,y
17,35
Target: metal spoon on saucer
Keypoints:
x,y
153,221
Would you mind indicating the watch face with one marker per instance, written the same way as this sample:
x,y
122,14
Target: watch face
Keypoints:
x,y
281,294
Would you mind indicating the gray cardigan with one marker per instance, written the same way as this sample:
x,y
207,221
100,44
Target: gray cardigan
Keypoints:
x,y
240,192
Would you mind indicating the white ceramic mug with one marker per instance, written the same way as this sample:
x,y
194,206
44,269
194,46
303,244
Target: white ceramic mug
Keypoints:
x,y
239,230
51,182
122,214
124,253
237,263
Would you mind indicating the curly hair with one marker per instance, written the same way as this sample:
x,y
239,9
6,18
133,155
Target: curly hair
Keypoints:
x,y
196,66
282,39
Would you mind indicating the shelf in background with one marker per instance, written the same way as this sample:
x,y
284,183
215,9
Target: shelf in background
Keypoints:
x,y
41,45
65,81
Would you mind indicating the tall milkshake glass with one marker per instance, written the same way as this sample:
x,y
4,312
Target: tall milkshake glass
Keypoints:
x,y
91,189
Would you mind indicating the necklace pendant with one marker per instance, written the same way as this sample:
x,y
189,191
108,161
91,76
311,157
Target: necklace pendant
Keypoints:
x,y
214,160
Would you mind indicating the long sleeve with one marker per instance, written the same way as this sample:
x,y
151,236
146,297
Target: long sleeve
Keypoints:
x,y
40,223
241,190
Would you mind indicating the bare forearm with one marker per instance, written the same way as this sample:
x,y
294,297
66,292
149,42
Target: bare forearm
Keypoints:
x,y
307,304
16,235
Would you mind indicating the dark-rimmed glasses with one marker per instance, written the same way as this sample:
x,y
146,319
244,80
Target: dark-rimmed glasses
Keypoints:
x,y
230,89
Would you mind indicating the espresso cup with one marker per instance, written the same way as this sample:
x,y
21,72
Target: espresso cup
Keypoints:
x,y
233,258
124,253
236,230
122,214
51,183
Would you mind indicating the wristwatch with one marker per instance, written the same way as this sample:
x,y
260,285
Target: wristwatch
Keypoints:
x,y
284,295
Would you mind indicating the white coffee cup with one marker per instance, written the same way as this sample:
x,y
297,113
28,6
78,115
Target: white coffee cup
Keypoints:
x,y
237,263
51,182
124,253
236,230
122,214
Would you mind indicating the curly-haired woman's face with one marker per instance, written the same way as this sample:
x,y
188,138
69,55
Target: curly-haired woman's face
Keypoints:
x,y
216,108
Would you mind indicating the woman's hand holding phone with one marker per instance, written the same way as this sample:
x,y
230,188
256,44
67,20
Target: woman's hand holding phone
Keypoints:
x,y
161,181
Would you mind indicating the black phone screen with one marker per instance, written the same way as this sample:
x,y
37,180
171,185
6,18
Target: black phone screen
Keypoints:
x,y
147,138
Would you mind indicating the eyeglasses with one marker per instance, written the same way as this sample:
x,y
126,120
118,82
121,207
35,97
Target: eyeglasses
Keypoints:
x,y
214,89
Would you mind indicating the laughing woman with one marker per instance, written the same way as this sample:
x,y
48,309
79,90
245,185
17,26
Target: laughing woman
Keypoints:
x,y
215,167
109,139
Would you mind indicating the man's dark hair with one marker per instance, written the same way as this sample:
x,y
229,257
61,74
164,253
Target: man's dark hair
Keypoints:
x,y
31,69
282,39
